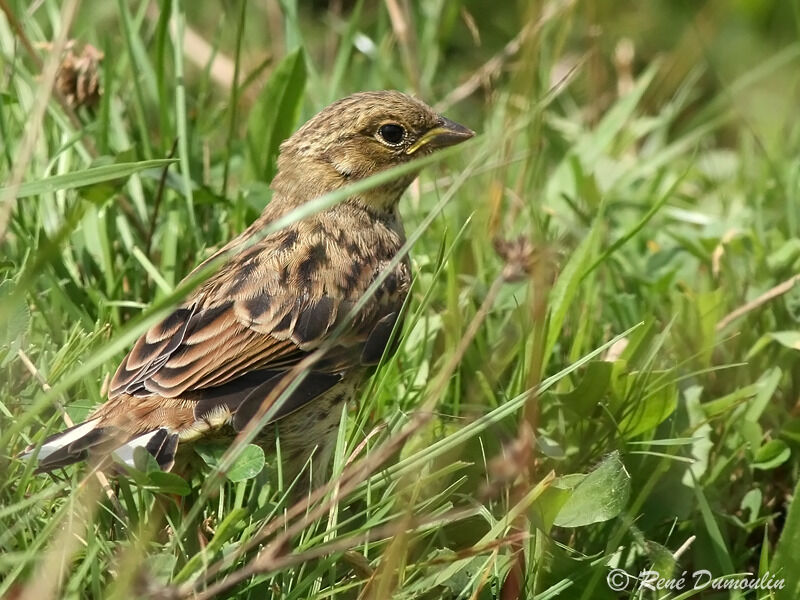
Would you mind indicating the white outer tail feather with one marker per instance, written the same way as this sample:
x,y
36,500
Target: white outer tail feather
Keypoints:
x,y
126,451
62,441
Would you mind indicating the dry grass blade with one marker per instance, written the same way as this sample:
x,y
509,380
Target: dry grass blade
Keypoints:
x,y
221,67
54,566
34,128
772,293
400,18
494,65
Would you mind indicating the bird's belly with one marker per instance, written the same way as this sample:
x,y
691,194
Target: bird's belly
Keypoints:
x,y
308,432
308,425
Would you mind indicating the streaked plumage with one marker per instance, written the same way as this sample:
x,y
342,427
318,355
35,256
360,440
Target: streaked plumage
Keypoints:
x,y
207,367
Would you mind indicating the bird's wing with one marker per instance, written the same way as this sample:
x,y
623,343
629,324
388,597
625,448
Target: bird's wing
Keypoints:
x,y
263,311
198,347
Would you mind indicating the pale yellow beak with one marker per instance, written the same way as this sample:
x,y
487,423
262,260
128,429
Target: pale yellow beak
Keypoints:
x,y
446,133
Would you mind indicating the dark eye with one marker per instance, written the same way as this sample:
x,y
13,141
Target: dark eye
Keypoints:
x,y
392,133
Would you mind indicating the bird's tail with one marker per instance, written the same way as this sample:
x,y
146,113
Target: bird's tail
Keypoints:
x,y
92,437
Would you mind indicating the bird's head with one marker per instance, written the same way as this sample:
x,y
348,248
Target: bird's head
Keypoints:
x,y
359,136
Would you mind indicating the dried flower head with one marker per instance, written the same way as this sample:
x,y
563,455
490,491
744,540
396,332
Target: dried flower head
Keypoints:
x,y
78,77
523,258
518,255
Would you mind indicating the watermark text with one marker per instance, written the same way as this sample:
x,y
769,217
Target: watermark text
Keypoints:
x,y
619,579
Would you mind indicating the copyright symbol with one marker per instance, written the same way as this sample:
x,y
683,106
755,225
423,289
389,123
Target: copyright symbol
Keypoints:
x,y
617,580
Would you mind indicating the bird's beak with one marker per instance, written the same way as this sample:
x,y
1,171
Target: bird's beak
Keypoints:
x,y
446,133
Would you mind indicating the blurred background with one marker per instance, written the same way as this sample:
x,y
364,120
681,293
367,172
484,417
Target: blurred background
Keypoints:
x,y
605,314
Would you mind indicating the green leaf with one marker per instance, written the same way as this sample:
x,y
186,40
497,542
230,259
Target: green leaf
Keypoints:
x,y
566,288
79,179
784,257
210,452
718,542
591,388
791,430
763,560
772,454
15,316
160,566
589,148
702,444
144,461
168,483
637,405
786,563
789,339
765,388
751,502
600,496
638,346
546,509
275,113
494,416
662,558
740,395
246,466
650,411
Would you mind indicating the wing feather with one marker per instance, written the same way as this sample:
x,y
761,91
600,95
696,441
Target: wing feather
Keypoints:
x,y
262,313
216,344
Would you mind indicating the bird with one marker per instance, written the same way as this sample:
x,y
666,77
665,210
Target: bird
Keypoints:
x,y
208,368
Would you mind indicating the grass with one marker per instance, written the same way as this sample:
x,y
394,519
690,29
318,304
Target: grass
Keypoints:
x,y
599,367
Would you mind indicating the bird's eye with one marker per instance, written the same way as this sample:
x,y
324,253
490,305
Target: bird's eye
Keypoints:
x,y
392,133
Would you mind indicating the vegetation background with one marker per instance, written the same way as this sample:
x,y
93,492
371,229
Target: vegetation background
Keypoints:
x,y
600,366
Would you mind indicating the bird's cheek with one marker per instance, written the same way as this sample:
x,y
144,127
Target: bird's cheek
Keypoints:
x,y
352,163
337,156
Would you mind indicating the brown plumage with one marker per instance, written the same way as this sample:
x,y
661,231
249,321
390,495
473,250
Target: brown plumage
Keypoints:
x,y
207,367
